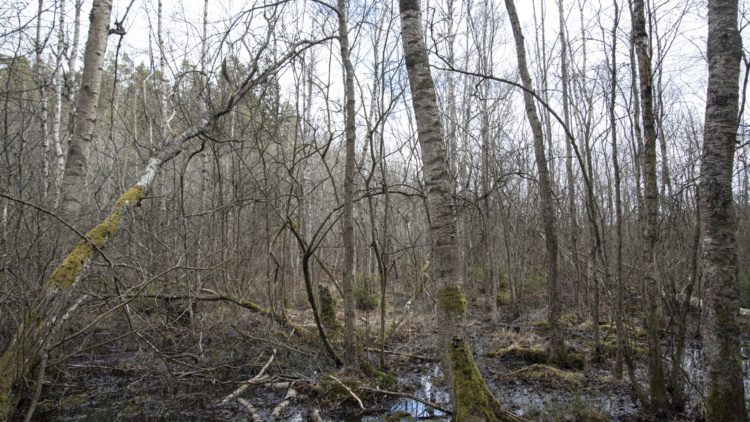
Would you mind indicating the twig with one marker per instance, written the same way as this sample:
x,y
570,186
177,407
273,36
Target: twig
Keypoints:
x,y
291,394
266,340
409,396
361,406
253,414
408,355
247,384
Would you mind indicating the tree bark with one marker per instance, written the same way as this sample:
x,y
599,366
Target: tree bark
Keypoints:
x,y
350,132
470,396
76,166
651,203
725,400
557,352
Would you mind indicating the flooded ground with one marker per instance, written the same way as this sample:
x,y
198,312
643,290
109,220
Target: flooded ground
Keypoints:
x,y
126,381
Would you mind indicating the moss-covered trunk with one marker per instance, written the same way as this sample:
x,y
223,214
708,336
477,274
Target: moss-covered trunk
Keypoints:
x,y
471,399
42,322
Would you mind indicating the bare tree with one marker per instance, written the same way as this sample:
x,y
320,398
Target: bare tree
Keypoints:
x,y
471,398
350,132
657,380
557,352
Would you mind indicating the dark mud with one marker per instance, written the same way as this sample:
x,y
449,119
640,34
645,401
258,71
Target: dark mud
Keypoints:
x,y
129,382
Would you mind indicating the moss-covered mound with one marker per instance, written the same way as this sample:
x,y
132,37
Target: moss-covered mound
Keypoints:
x,y
328,311
334,394
547,375
526,354
570,361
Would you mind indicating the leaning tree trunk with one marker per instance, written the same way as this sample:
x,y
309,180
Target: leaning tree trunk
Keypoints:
x,y
725,400
557,352
657,381
470,396
42,324
76,166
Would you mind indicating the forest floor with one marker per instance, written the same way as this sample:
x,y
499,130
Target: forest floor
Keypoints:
x,y
135,369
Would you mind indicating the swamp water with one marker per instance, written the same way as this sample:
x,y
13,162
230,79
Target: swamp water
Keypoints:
x,y
110,393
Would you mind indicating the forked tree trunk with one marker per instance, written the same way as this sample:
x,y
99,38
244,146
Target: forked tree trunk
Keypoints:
x,y
470,396
557,352
76,166
657,381
725,400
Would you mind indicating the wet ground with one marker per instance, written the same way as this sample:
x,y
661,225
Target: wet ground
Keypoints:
x,y
133,383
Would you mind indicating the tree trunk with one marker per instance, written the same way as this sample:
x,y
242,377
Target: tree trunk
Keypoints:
x,y
618,306
725,400
42,84
651,202
557,352
76,166
470,396
350,334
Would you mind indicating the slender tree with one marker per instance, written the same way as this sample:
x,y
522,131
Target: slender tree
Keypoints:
x,y
471,398
657,380
557,352
350,133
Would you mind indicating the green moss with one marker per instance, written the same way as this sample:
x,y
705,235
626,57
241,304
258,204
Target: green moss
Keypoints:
x,y
543,324
546,374
399,416
364,299
282,335
503,297
328,310
568,320
724,405
366,368
70,269
474,401
609,347
526,354
384,380
451,299
569,360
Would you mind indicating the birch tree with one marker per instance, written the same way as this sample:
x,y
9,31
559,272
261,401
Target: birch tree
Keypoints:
x,y
725,400
471,398
76,166
651,209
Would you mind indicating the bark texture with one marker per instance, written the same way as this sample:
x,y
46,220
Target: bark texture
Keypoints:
x,y
347,283
657,381
557,352
76,166
721,334
471,399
